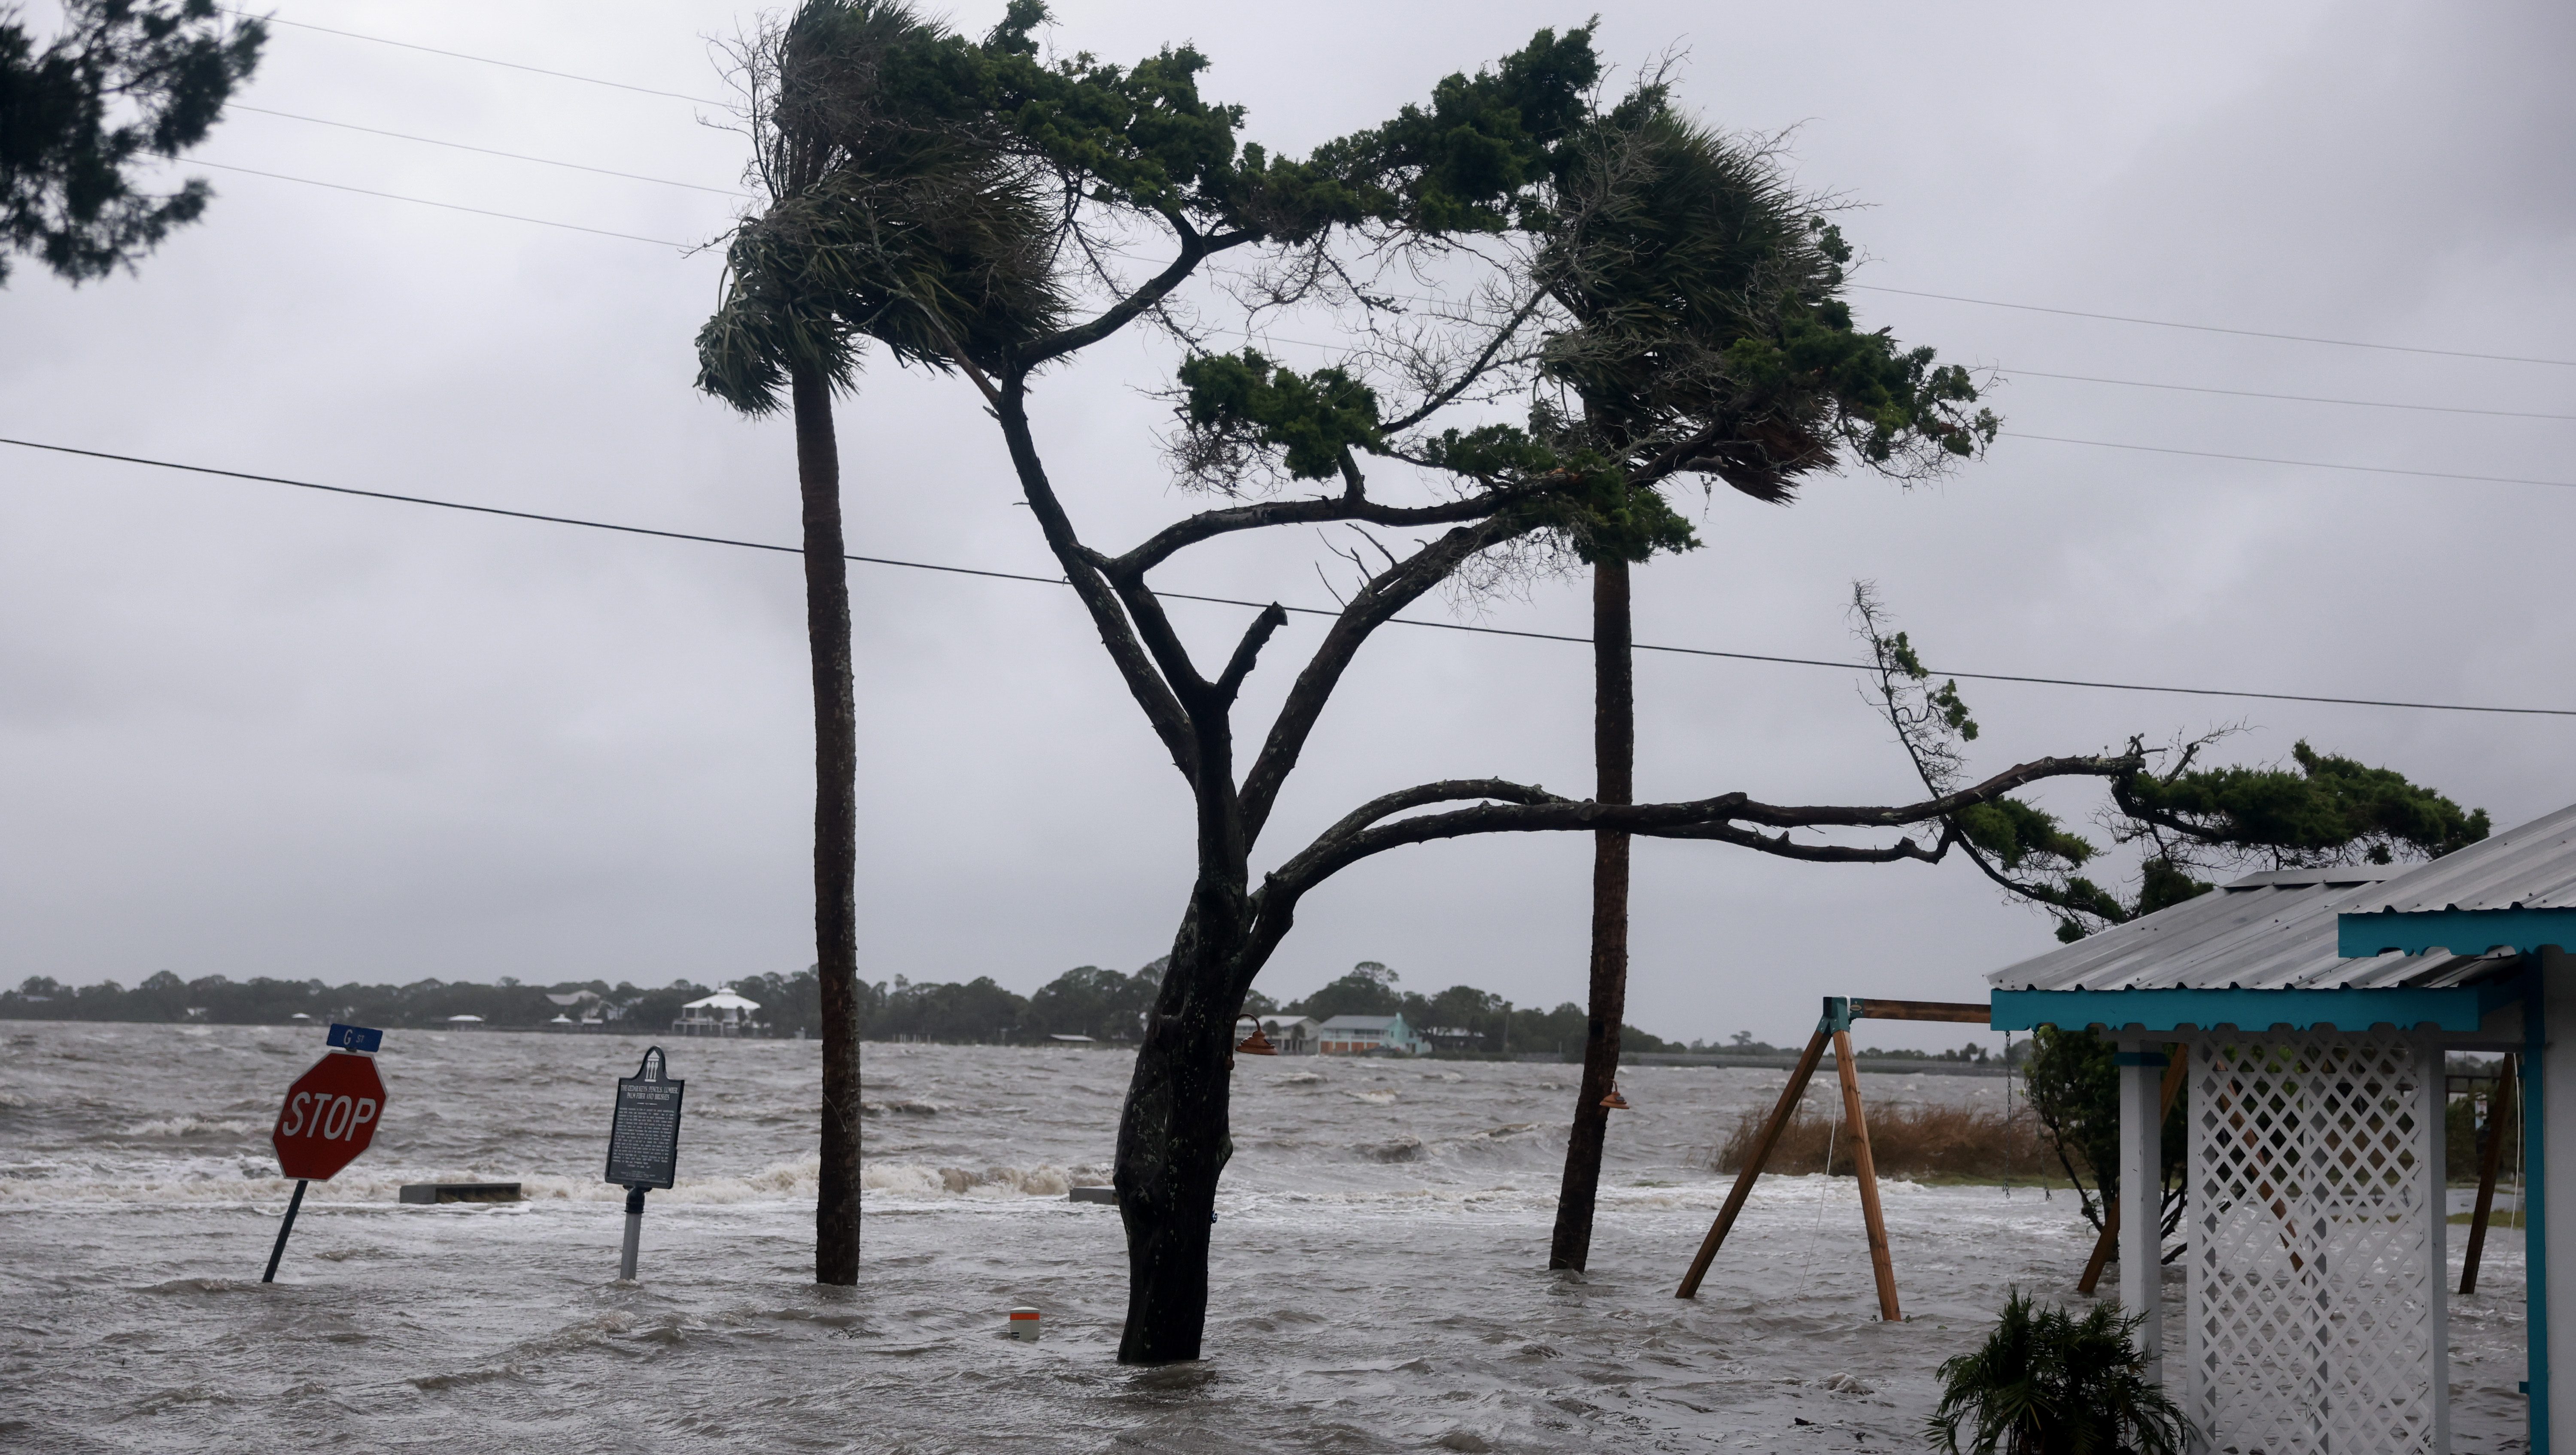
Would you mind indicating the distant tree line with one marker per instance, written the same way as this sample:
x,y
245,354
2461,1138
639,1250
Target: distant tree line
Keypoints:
x,y
1103,1004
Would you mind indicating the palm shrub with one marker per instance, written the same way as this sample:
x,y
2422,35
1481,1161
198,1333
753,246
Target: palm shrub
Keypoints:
x,y
2048,1383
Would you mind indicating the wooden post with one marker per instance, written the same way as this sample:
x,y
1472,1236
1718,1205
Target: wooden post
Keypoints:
x,y
1754,1162
2499,1117
1881,1266
2109,1240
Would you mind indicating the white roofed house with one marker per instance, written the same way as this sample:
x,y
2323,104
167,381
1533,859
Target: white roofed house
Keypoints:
x,y
1291,1035
721,1014
1358,1035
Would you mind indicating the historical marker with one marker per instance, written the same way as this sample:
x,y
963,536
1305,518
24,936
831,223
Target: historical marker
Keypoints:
x,y
329,1117
644,1142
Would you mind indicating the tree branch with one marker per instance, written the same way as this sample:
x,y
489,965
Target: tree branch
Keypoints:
x,y
1246,652
1385,594
1196,248
1321,509
1468,376
1152,693
1532,810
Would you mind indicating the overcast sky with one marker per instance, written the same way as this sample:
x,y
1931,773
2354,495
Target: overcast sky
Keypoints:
x,y
251,730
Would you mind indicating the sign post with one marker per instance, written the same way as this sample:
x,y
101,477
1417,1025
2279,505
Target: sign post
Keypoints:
x,y
644,1142
329,1117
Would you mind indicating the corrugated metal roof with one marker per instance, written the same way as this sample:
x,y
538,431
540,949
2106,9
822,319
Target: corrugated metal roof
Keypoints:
x,y
2530,867
2276,930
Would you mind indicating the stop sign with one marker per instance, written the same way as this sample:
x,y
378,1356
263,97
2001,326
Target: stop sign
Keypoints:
x,y
330,1116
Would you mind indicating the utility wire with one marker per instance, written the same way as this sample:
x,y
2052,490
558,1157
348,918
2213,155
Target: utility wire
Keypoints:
x,y
487,151
2301,464
422,201
1865,287
2296,338
2012,373
1261,605
462,56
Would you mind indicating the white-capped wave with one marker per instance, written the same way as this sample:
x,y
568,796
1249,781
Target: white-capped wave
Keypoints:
x,y
922,1179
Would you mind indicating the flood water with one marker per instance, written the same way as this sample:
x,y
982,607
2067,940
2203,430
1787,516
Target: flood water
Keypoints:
x,y
1379,1270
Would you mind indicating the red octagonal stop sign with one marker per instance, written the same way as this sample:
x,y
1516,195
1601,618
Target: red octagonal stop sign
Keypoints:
x,y
330,1116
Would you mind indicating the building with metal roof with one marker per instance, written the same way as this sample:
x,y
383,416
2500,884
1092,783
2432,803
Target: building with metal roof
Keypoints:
x,y
2314,1010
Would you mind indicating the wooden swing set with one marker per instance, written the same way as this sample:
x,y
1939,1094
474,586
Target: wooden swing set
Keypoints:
x,y
1834,1028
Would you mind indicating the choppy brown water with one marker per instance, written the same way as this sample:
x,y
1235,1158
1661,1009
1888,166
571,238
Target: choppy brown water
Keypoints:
x,y
1379,1264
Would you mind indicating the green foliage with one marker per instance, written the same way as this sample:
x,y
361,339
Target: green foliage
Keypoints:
x,y
1369,989
1089,1001
126,82
1311,418
1476,159
2329,809
2075,1091
2049,1383
2464,1143
2016,834
1706,323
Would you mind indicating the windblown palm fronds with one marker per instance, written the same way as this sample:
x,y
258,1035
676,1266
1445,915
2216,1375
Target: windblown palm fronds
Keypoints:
x,y
2048,1383
895,213
1703,293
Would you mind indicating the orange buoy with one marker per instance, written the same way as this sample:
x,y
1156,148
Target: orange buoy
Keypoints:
x,y
1614,1101
1256,1044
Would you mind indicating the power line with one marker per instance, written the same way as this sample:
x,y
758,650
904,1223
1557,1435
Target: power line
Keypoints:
x,y
2302,464
1865,287
484,60
2013,373
423,201
1260,605
487,151
2296,338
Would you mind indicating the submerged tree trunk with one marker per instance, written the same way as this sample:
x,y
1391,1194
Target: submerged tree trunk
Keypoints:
x,y
836,826
1172,1136
1614,750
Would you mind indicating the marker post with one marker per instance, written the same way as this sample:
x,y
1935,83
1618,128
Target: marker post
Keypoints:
x,y
293,1204
643,1143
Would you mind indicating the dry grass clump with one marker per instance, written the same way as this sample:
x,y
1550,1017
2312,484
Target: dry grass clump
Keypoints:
x,y
1904,1141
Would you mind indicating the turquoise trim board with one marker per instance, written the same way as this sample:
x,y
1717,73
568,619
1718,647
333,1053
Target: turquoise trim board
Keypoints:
x,y
2460,931
2452,1008
2535,1215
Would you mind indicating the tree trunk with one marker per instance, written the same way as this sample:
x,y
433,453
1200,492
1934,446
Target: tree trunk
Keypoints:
x,y
1173,1141
836,826
1614,751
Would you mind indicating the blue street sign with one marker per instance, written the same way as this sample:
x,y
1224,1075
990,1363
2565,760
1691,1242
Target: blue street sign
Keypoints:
x,y
354,1038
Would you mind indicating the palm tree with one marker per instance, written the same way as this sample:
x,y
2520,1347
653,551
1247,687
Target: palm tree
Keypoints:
x,y
1701,289
909,225
2048,1383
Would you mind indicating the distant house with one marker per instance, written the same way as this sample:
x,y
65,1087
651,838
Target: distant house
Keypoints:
x,y
1357,1035
721,1014
1294,1035
1452,1038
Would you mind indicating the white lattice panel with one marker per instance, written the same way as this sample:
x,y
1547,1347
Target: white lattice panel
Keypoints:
x,y
2316,1316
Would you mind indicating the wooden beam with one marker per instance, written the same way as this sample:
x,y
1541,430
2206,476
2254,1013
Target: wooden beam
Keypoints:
x,y
2499,1118
1963,1012
1754,1161
1881,1266
2109,1240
